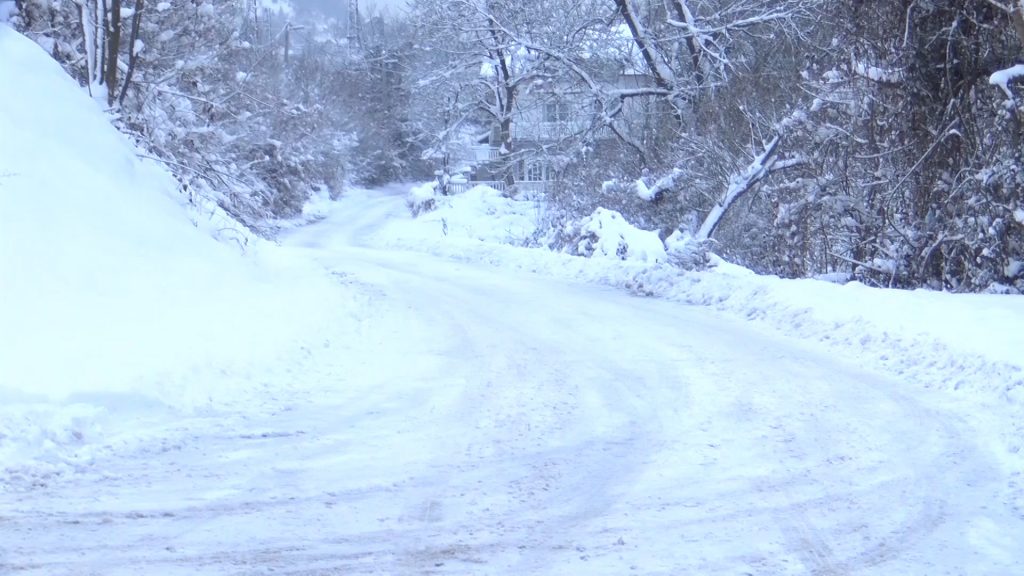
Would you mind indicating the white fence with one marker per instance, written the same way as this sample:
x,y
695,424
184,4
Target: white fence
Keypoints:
x,y
529,187
484,153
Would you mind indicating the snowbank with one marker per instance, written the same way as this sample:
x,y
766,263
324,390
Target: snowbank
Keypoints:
x,y
479,215
114,295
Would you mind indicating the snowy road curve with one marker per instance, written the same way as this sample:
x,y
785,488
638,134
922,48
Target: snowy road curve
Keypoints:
x,y
471,421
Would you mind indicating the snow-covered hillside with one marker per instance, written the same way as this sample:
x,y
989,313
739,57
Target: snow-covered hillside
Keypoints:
x,y
115,297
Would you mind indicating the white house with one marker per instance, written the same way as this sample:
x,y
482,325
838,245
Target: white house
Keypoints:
x,y
551,116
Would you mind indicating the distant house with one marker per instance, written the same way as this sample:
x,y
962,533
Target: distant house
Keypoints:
x,y
549,119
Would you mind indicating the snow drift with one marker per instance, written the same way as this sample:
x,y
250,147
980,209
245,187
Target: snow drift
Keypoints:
x,y
113,293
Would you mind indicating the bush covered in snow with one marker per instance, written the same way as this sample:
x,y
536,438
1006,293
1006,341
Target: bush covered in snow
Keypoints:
x,y
606,234
480,214
421,198
686,252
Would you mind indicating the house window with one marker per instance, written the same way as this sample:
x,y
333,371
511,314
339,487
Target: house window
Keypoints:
x,y
556,112
534,172
551,112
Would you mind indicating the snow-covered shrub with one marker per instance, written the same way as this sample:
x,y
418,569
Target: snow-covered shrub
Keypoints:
x,y
687,252
621,194
318,205
606,234
422,198
480,214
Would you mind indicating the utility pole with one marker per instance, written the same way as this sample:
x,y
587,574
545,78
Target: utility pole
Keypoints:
x,y
354,25
288,29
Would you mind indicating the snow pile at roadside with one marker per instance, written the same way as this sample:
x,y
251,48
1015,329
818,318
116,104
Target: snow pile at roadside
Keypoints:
x,y
480,219
421,198
318,205
606,234
942,340
479,215
966,349
971,346
116,301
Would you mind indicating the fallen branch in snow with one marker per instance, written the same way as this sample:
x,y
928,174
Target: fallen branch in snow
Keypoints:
x,y
237,235
858,263
877,269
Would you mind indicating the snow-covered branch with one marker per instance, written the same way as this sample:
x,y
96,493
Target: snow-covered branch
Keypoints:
x,y
1003,78
763,165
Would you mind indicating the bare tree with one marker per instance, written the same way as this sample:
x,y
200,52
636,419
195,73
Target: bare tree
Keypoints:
x,y
702,55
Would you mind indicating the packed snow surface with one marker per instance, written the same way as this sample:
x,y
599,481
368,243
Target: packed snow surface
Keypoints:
x,y
389,395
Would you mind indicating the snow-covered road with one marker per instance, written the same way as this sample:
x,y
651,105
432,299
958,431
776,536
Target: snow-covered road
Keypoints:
x,y
472,421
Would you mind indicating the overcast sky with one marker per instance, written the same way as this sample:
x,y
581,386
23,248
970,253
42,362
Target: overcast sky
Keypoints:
x,y
389,4
337,7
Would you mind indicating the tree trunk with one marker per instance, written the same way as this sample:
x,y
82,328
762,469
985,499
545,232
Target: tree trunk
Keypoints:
x,y
692,45
1017,19
87,15
662,73
287,42
132,55
506,105
113,37
506,139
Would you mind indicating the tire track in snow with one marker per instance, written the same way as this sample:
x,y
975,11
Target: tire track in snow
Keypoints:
x,y
520,402
491,424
